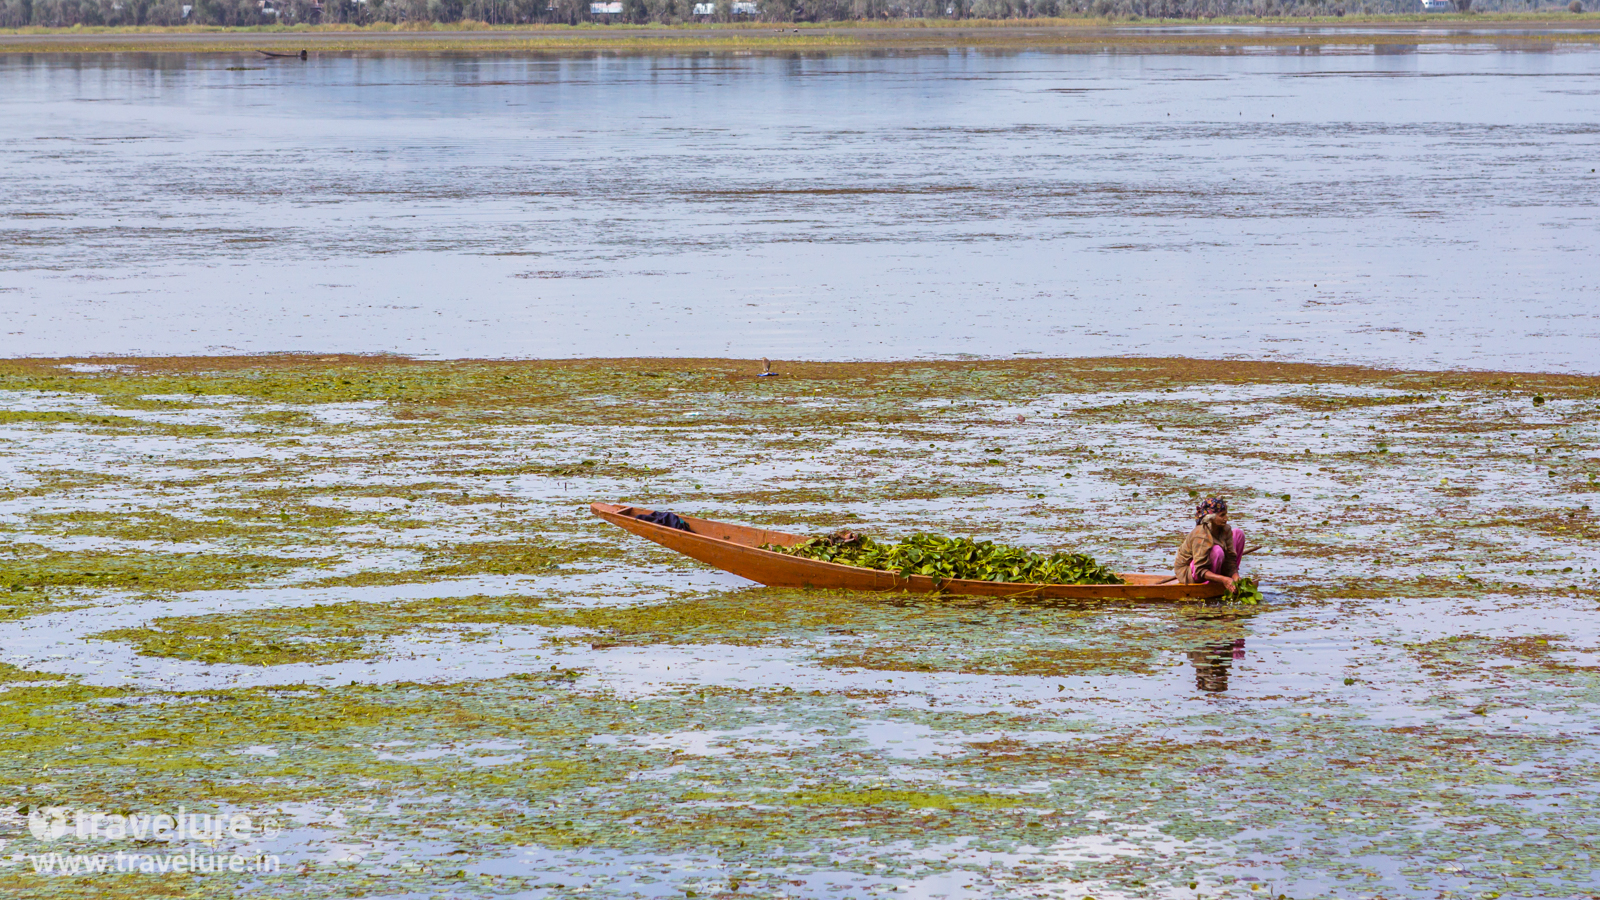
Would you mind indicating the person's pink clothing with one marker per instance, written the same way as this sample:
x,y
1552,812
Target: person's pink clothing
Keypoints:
x,y
1219,557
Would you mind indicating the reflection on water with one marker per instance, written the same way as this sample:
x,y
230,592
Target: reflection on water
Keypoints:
x,y
1213,662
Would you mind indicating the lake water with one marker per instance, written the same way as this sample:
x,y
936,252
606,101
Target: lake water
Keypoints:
x,y
1423,209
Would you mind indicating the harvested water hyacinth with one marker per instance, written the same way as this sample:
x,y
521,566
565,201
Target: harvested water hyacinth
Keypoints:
x,y
938,556
1246,592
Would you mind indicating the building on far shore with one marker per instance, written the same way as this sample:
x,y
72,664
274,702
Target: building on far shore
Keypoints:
x,y
740,8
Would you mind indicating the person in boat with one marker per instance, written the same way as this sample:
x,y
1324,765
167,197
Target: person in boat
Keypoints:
x,y
1212,551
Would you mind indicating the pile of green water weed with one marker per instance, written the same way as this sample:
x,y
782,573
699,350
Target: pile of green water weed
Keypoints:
x,y
948,558
1246,591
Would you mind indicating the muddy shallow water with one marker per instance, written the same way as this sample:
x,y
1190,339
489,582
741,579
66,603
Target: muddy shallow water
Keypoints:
x,y
365,597
1424,206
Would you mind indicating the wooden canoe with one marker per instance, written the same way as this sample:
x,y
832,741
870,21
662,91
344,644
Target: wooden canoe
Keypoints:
x,y
737,549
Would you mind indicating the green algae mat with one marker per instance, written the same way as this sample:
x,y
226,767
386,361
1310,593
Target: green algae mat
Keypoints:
x,y
355,610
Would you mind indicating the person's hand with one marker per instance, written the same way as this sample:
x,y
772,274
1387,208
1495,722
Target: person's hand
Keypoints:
x,y
1232,584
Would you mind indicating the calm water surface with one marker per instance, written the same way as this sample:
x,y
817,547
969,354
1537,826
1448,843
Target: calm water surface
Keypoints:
x,y
1431,208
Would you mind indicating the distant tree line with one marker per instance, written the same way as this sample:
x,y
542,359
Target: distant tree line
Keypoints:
x,y
66,13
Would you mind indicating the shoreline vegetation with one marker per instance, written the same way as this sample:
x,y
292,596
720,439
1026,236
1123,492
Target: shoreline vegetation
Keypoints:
x,y
1538,30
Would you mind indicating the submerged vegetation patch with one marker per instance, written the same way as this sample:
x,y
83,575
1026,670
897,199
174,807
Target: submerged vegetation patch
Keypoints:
x,y
105,422
320,634
507,557
217,644
34,567
367,596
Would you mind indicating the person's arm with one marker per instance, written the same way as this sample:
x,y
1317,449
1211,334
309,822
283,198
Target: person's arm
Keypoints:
x,y
1201,554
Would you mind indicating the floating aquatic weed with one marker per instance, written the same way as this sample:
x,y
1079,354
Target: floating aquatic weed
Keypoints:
x,y
233,647
1015,726
1246,591
139,570
93,420
10,674
941,557
326,633
284,418
510,557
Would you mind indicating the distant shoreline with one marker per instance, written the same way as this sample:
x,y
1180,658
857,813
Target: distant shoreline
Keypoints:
x,y
1533,31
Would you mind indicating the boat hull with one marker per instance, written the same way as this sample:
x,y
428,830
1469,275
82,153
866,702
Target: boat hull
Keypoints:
x,y
737,549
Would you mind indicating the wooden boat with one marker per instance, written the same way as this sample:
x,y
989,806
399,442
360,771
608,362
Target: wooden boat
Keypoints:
x,y
737,549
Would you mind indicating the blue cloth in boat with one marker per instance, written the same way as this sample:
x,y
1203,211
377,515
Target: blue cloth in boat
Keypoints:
x,y
668,519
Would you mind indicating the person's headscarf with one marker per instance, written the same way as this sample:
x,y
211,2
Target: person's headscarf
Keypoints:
x,y
1208,506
